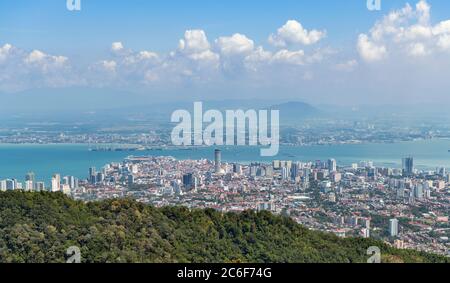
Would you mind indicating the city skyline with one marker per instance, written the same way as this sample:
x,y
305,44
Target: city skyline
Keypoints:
x,y
406,169
361,200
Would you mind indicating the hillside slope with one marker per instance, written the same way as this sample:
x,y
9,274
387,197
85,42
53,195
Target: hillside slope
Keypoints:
x,y
39,227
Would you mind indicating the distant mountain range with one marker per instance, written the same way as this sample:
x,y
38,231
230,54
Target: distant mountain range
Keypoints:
x,y
88,104
111,103
294,111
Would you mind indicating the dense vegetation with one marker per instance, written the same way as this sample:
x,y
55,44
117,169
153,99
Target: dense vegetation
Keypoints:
x,y
39,227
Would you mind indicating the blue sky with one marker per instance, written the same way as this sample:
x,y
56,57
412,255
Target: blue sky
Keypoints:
x,y
47,24
85,39
158,24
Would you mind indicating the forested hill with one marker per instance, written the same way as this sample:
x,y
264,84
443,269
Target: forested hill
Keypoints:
x,y
39,227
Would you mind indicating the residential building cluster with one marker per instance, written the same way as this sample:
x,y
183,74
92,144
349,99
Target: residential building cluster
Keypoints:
x,y
405,207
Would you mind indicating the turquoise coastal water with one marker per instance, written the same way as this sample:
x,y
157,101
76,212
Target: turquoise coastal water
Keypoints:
x,y
45,160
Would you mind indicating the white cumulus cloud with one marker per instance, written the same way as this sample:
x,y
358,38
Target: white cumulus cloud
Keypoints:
x,y
294,33
289,57
369,50
195,41
5,51
109,65
405,32
21,70
235,45
117,47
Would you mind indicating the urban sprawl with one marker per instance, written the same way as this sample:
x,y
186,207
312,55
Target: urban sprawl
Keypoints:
x,y
406,208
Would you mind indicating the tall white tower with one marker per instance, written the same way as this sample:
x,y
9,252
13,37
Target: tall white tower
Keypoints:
x,y
218,161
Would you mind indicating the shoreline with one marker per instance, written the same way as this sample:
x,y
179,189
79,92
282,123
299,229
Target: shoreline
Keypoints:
x,y
75,159
171,147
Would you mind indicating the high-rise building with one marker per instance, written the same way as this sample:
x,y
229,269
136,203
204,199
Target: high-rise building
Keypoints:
x,y
218,161
65,180
294,170
100,177
10,184
252,171
372,173
40,186
255,169
365,233
130,180
56,183
408,166
368,223
336,177
285,173
427,193
332,165
269,171
195,183
30,177
286,164
134,169
188,181
29,186
176,187
418,191
305,182
276,164
92,175
92,171
393,227
3,185
237,168
266,206
71,181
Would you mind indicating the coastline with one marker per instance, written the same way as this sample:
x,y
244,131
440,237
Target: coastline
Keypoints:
x,y
75,159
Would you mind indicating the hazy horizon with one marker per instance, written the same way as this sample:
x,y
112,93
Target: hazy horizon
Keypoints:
x,y
333,53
